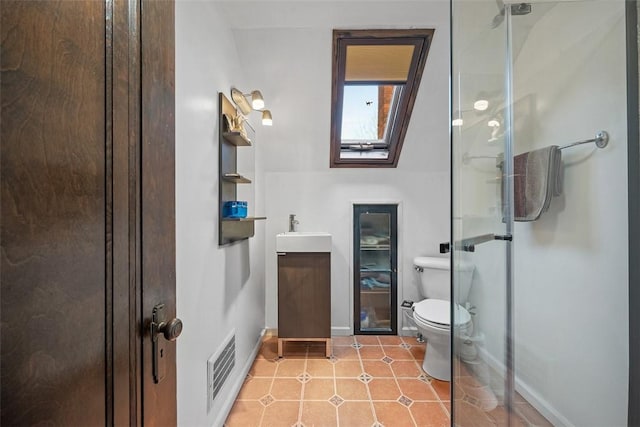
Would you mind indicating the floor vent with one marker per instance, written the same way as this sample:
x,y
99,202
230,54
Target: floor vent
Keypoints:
x,y
220,366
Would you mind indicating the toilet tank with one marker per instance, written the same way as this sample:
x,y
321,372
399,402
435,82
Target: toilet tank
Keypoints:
x,y
436,274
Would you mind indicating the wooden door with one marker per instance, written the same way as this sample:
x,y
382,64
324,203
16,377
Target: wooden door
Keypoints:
x,y
81,208
158,202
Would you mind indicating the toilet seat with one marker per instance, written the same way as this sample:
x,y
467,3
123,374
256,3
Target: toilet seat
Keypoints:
x,y
436,313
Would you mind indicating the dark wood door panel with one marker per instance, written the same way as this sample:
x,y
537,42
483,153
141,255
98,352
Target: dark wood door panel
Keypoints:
x,y
158,201
53,213
87,226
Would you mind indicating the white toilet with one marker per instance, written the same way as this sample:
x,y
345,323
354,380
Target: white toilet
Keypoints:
x,y
433,316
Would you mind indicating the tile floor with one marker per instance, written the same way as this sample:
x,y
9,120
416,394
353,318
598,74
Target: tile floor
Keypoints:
x,y
368,381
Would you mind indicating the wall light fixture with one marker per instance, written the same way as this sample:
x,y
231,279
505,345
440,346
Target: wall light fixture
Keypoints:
x,y
257,104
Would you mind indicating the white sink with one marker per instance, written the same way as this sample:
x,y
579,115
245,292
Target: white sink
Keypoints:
x,y
303,241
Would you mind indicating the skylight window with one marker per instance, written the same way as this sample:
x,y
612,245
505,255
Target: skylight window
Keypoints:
x,y
376,75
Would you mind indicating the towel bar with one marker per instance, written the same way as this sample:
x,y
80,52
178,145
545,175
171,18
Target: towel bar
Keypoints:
x,y
601,140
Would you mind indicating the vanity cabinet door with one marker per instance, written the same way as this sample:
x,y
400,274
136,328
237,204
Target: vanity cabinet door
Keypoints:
x,y
304,295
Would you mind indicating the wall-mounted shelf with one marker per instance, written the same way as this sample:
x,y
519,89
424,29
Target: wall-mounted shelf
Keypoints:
x,y
231,229
236,177
236,138
249,218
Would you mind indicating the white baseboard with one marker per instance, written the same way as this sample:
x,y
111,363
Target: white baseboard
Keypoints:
x,y
237,384
543,406
341,331
409,331
271,332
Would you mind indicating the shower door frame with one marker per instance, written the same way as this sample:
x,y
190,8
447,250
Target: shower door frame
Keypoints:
x,y
633,147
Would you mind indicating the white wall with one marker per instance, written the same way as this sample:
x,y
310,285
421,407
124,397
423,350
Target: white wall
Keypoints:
x,y
219,289
290,62
572,316
570,267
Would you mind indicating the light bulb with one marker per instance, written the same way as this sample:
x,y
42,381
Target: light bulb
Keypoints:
x,y
266,118
257,102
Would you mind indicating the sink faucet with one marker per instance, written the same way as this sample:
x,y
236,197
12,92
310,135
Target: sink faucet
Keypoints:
x,y
292,222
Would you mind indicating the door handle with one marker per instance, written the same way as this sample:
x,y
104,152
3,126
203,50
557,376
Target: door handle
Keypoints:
x,y
170,330
469,244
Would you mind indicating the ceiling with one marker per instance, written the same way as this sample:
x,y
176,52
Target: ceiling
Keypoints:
x,y
352,14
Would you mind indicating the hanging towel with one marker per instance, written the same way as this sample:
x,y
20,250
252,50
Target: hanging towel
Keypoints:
x,y
537,177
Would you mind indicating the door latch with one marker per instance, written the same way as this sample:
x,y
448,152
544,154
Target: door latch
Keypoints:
x,y
170,331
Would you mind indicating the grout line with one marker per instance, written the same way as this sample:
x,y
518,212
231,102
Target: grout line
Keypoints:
x,y
335,387
373,409
304,373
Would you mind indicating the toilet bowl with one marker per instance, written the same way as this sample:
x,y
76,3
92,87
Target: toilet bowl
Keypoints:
x,y
432,318
432,315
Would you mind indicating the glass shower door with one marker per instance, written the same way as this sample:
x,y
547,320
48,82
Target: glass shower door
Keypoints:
x,y
547,344
481,215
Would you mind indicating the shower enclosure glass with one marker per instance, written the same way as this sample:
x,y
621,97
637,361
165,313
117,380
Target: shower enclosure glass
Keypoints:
x,y
545,228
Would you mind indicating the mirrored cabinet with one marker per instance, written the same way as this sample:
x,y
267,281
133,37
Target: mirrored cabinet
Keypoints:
x,y
375,269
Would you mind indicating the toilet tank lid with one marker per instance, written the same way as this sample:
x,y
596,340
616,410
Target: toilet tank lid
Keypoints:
x,y
440,263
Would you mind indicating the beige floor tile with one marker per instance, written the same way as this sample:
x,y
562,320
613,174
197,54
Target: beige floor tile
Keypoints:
x,y
417,390
417,351
268,350
255,388
286,389
371,352
390,340
429,414
406,369
367,339
345,353
397,352
344,341
281,414
393,414
319,389
471,416
263,368
245,414
312,403
351,389
290,367
355,414
319,414
442,389
347,369
319,368
377,369
384,389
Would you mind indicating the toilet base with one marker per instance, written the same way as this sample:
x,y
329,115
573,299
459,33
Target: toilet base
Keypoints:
x,y
437,360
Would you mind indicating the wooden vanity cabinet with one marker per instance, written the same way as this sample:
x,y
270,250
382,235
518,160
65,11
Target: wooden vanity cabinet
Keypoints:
x,y
304,298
